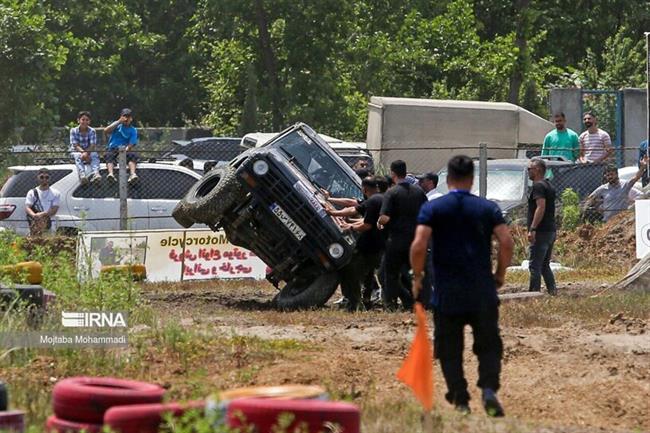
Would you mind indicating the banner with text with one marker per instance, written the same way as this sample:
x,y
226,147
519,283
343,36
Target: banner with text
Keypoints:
x,y
168,255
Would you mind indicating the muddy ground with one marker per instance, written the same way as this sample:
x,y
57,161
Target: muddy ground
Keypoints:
x,y
563,371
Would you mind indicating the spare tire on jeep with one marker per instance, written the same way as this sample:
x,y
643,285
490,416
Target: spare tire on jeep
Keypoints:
x,y
303,292
209,198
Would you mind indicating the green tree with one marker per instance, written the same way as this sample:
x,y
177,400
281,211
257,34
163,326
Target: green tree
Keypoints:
x,y
126,54
30,62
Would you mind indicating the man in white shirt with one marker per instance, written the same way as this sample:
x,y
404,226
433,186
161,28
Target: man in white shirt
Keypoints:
x,y
614,196
595,144
429,182
41,204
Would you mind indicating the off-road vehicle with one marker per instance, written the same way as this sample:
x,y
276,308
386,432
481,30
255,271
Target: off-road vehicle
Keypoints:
x,y
269,200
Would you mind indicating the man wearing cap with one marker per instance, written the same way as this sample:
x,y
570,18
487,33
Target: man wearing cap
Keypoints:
x,y
429,182
41,204
122,134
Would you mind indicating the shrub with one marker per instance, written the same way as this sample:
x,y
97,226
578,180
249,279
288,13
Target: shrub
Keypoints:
x,y
570,209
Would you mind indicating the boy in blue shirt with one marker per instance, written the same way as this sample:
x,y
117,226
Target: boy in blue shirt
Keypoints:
x,y
122,134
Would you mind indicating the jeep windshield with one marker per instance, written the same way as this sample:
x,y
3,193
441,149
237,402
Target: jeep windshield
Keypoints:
x,y
502,185
318,165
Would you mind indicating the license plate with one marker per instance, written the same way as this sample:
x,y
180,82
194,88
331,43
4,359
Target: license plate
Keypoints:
x,y
285,219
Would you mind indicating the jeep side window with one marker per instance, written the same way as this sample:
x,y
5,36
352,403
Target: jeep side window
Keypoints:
x,y
319,166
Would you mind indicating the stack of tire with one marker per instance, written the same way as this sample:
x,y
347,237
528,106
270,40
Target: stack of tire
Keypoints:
x,y
127,406
263,407
10,420
25,290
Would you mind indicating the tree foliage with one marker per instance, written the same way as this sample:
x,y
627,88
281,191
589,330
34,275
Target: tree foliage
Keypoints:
x,y
30,63
238,65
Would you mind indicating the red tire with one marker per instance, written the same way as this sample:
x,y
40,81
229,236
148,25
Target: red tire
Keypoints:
x,y
54,424
145,418
86,399
316,415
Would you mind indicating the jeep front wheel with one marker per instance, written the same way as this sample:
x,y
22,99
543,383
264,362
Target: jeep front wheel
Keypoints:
x,y
300,294
209,198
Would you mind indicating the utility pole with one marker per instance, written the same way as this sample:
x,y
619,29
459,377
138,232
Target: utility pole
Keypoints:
x,y
647,91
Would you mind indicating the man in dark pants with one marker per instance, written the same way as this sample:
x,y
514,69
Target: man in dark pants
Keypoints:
x,y
370,245
398,215
461,226
541,227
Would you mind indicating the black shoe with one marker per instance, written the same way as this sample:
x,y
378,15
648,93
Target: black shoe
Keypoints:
x,y
491,403
462,408
553,292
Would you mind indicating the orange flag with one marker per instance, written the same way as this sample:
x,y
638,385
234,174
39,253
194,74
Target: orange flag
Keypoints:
x,y
417,368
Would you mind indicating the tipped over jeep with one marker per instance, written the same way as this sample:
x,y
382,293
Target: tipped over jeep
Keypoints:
x,y
269,201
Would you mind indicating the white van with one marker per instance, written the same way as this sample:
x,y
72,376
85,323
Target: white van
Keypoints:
x,y
350,152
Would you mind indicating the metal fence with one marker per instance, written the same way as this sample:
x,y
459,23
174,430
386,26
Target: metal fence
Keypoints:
x,y
97,204
501,175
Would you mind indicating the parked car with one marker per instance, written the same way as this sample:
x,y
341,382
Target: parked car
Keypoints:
x,y
218,150
627,173
269,200
508,184
206,148
96,207
350,152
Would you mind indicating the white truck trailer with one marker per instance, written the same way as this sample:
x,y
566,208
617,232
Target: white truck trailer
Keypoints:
x,y
427,132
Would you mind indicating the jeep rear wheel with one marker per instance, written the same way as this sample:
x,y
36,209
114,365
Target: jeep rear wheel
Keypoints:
x,y
301,293
209,198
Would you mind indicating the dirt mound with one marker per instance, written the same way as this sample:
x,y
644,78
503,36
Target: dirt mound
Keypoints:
x,y
630,325
612,243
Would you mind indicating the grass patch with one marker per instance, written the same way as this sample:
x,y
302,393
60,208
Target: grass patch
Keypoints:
x,y
603,275
556,311
190,363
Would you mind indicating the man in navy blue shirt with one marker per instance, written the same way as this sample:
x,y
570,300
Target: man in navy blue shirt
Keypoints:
x,y
465,289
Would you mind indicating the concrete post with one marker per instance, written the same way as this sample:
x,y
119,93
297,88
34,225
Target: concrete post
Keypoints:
x,y
568,101
482,170
635,118
122,177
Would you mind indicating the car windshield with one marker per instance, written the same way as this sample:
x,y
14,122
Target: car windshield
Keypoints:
x,y
502,184
318,165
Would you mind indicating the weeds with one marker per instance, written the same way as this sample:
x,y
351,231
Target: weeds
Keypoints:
x,y
592,311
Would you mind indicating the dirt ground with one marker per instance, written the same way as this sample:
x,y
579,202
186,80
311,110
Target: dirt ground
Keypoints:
x,y
560,373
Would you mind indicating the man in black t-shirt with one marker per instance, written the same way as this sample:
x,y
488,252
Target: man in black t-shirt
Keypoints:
x,y
399,212
541,227
370,245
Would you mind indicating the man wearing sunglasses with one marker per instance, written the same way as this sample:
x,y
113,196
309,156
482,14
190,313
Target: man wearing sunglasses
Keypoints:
x,y
41,204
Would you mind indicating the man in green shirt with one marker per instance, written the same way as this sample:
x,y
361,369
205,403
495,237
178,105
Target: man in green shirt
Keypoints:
x,y
562,141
